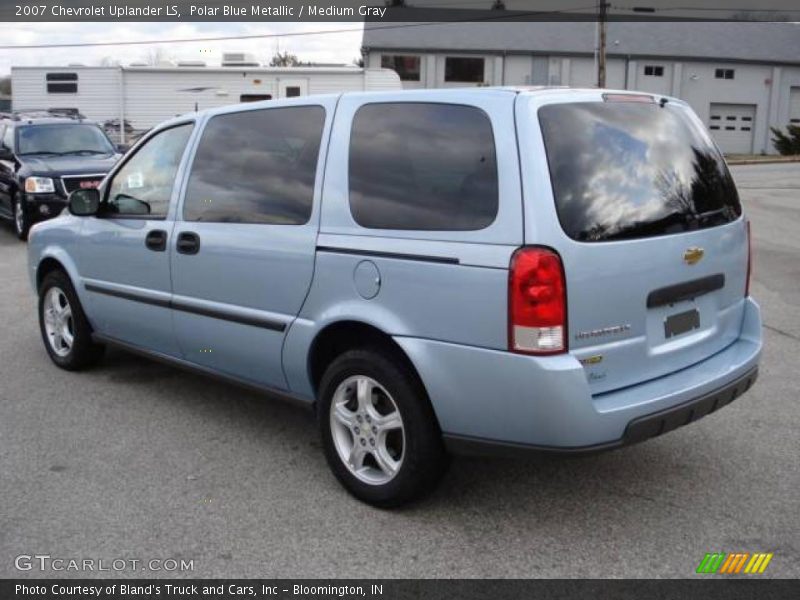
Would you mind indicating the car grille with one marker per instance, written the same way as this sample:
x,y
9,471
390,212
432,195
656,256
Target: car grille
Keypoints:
x,y
77,182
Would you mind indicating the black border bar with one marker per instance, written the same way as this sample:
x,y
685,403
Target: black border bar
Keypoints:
x,y
434,11
707,587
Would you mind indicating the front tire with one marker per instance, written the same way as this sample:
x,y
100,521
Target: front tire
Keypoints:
x,y
65,330
22,222
379,432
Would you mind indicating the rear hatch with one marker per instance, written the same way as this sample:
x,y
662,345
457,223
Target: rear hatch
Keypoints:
x,y
650,233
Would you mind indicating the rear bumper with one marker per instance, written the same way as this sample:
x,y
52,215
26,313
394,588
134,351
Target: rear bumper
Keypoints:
x,y
638,430
488,401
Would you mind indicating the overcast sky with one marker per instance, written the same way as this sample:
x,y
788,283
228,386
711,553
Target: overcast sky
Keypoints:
x,y
335,47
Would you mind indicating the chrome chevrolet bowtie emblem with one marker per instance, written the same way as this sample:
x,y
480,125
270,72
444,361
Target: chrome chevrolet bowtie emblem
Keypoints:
x,y
693,255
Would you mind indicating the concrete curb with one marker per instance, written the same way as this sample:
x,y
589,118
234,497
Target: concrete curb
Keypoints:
x,y
764,161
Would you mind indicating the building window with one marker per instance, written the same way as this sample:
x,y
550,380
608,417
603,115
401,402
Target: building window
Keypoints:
x,y
463,70
292,91
62,83
654,71
723,74
405,65
254,97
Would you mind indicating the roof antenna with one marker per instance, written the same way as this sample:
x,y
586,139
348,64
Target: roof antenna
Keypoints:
x,y
662,102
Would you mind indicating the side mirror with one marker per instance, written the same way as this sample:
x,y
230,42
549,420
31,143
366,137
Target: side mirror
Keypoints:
x,y
128,205
84,203
123,148
6,154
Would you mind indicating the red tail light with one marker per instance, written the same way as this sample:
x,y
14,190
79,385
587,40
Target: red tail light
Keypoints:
x,y
749,261
537,302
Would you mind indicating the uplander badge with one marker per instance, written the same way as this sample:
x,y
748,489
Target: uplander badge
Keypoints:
x,y
594,333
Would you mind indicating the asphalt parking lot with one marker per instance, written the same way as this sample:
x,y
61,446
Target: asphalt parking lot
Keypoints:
x,y
138,460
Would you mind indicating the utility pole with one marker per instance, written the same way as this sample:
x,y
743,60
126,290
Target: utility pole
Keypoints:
x,y
602,17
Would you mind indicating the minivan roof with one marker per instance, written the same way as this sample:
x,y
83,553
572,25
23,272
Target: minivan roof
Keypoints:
x,y
530,90
440,94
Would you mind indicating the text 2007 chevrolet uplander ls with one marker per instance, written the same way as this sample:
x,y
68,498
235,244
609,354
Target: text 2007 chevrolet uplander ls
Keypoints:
x,y
433,271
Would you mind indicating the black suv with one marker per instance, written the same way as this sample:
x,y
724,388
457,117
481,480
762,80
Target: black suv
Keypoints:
x,y
43,157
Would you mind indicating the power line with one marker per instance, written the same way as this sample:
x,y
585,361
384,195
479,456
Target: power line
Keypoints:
x,y
505,16
181,40
653,9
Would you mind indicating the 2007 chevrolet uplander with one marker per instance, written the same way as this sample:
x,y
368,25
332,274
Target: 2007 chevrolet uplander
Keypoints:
x,y
433,271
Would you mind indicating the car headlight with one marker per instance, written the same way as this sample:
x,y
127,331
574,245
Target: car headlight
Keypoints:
x,y
39,185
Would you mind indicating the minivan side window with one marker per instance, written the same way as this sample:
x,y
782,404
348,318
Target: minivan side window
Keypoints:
x,y
423,166
256,166
143,186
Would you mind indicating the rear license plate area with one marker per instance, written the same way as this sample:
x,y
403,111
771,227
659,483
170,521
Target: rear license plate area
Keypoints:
x,y
681,323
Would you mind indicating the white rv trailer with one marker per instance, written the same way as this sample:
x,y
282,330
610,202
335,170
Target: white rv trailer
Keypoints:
x,y
143,96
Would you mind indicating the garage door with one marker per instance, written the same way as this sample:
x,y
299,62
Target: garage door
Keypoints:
x,y
732,127
794,106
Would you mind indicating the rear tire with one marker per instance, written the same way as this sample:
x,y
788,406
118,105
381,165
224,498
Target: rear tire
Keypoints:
x,y
22,222
379,433
65,330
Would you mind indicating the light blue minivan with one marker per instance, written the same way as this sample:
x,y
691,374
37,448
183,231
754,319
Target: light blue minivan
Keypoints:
x,y
432,271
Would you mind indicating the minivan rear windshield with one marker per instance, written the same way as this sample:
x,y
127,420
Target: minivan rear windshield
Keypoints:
x,y
623,170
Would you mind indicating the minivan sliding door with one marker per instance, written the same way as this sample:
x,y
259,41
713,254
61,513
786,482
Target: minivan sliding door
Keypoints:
x,y
243,254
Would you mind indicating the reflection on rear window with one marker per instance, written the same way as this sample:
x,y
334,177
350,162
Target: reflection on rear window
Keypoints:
x,y
628,170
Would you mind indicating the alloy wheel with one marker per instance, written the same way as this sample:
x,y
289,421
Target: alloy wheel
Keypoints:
x,y
58,322
19,217
367,430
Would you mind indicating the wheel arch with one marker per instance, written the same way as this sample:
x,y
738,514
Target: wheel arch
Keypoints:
x,y
46,266
52,258
341,336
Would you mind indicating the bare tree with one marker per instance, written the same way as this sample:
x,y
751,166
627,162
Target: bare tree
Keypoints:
x,y
284,59
156,56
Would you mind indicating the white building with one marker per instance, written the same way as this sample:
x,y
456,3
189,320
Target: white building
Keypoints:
x,y
741,78
144,96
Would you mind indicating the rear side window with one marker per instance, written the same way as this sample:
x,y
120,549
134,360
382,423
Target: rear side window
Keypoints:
x,y
256,166
623,170
422,166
